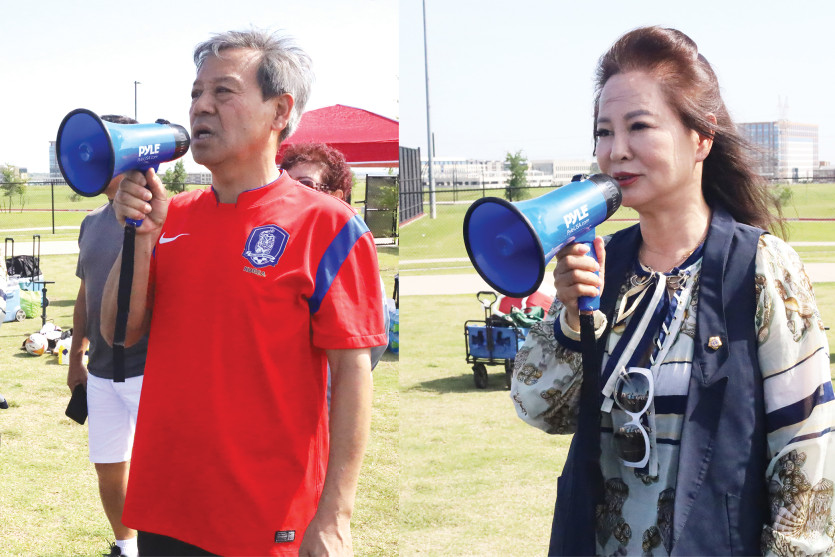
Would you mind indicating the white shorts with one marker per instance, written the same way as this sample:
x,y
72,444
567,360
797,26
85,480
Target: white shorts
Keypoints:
x,y
111,409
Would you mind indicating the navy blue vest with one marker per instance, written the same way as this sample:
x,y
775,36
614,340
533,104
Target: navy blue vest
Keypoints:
x,y
721,495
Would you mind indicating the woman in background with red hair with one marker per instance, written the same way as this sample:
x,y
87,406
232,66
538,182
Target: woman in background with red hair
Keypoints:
x,y
320,167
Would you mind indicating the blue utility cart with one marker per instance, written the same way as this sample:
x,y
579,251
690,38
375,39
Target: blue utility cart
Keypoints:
x,y
493,341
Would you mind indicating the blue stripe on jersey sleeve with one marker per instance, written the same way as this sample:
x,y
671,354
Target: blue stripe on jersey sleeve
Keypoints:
x,y
800,410
334,257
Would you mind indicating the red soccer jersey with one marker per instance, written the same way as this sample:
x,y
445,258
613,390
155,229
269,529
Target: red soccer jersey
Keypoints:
x,y
231,442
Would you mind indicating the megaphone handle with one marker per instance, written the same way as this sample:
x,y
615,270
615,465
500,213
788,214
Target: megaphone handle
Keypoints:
x,y
585,303
133,222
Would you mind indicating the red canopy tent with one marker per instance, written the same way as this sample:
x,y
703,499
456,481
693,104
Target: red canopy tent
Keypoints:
x,y
365,138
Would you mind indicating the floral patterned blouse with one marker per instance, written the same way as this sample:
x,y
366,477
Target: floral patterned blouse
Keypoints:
x,y
635,517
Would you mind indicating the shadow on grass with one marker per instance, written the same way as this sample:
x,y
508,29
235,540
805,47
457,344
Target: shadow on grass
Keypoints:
x,y
10,334
48,358
463,383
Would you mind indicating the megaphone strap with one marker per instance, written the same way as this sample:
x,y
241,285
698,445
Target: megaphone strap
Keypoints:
x,y
123,304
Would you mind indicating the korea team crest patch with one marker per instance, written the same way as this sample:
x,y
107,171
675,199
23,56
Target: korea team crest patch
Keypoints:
x,y
265,245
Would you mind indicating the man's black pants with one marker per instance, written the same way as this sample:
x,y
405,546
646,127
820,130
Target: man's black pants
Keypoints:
x,y
156,545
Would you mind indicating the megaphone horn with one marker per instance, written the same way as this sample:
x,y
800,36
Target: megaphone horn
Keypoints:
x,y
91,151
509,244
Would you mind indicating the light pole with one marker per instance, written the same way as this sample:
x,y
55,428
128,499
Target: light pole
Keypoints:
x,y
429,137
135,83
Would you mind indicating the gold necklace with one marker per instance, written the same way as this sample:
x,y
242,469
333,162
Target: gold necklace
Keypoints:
x,y
644,248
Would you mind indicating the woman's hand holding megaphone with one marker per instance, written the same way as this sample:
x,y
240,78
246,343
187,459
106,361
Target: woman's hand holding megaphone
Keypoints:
x,y
142,197
575,277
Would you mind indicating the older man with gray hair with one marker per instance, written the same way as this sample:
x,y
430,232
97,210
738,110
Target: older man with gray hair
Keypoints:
x,y
249,289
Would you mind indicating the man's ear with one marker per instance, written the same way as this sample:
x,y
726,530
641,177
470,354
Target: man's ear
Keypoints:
x,y
705,141
283,108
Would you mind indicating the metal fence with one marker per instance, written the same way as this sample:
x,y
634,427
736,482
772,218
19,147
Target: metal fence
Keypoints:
x,y
45,207
380,207
52,208
411,185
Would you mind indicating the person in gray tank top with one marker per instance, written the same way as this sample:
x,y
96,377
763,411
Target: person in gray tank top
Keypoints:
x,y
112,407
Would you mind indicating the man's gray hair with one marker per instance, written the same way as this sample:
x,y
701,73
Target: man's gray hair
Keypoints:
x,y
283,68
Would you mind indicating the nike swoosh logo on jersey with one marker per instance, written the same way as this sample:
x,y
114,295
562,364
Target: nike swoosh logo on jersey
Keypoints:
x,y
164,240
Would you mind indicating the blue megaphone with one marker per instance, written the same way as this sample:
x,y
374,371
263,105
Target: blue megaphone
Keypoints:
x,y
91,151
510,244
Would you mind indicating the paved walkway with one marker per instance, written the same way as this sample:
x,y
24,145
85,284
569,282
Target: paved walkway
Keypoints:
x,y
53,247
429,285
471,283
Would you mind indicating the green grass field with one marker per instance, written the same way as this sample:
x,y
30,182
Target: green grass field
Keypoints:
x,y
475,480
49,503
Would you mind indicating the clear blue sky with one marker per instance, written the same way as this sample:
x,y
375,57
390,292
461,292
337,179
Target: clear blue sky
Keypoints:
x,y
506,76
56,56
503,76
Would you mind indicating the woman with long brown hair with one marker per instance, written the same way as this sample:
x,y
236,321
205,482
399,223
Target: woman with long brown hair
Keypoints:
x,y
710,434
